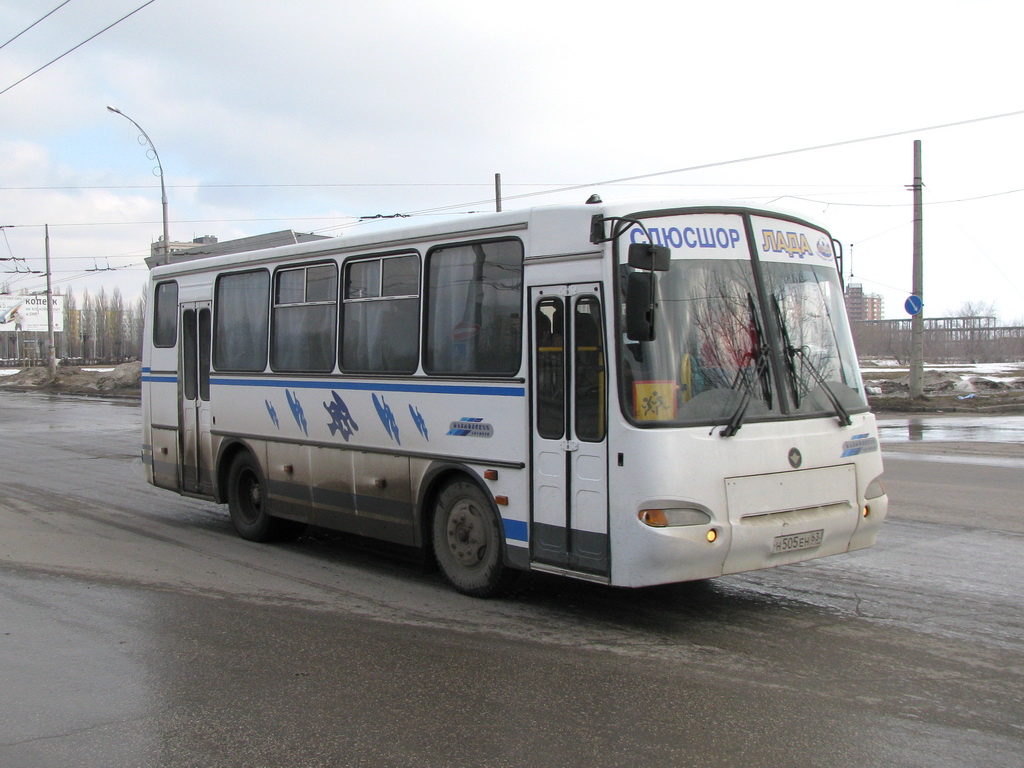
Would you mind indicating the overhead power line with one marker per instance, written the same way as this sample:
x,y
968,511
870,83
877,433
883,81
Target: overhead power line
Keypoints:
x,y
735,161
487,184
72,50
26,29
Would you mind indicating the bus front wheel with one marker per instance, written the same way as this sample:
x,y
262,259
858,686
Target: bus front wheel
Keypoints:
x,y
468,541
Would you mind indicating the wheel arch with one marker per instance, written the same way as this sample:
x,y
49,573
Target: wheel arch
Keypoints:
x,y
437,476
229,449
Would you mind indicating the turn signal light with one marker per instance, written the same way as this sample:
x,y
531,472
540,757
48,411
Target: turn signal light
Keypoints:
x,y
867,510
712,535
654,518
663,518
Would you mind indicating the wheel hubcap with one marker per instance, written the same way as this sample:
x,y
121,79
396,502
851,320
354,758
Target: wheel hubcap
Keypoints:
x,y
467,535
252,495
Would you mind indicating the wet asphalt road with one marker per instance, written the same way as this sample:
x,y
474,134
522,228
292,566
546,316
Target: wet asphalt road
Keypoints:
x,y
137,630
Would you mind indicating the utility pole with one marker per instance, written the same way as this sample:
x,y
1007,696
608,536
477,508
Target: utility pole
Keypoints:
x,y
50,355
917,320
497,192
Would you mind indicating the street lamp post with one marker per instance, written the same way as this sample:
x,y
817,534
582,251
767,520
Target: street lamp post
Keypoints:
x,y
144,139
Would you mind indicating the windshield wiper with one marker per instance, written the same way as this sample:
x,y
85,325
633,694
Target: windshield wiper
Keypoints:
x,y
794,380
791,354
736,420
760,375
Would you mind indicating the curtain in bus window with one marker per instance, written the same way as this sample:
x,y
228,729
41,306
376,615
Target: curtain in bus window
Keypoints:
x,y
474,321
241,322
380,327
381,336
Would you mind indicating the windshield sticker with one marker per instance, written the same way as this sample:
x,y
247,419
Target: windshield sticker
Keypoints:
x,y
654,400
825,249
697,235
341,418
788,241
470,427
689,237
859,444
793,243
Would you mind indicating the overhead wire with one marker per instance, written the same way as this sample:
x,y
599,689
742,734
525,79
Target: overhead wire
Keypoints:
x,y
623,180
735,161
72,50
34,23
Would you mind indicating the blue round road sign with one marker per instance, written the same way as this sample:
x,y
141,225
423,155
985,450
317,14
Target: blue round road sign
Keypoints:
x,y
913,304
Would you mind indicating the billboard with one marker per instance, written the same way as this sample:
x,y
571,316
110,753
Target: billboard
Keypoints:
x,y
28,313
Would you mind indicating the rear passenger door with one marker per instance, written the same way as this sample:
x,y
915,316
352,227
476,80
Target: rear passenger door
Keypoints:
x,y
194,398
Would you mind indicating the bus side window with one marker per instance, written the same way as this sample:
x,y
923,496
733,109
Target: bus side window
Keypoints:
x,y
305,319
380,315
165,315
242,321
474,315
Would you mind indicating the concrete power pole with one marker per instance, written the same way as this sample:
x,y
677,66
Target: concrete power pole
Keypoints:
x,y
917,321
51,357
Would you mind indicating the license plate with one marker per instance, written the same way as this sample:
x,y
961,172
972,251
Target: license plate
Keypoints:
x,y
791,542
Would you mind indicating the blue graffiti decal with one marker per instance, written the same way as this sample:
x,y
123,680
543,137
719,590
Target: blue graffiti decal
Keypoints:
x,y
387,418
296,406
273,413
419,421
341,418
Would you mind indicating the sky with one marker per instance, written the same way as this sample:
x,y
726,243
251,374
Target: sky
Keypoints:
x,y
311,114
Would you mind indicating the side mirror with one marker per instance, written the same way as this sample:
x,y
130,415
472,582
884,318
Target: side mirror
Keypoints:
x,y
656,258
639,306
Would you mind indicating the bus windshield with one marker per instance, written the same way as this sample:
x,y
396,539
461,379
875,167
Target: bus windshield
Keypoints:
x,y
723,352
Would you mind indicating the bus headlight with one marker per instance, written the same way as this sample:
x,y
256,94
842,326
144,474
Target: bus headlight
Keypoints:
x,y
665,518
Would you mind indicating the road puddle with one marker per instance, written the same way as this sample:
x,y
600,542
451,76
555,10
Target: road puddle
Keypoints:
x,y
973,429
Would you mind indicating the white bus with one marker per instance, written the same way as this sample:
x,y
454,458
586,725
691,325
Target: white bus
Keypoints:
x,y
632,395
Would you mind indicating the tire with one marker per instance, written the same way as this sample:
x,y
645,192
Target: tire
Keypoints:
x,y
249,505
468,541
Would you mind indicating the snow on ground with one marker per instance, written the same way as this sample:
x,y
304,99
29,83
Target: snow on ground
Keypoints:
x,y
969,369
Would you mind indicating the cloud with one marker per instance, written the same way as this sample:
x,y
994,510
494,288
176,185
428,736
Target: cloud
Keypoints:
x,y
393,106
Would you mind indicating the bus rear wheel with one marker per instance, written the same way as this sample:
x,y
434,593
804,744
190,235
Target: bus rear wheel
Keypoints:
x,y
249,505
468,541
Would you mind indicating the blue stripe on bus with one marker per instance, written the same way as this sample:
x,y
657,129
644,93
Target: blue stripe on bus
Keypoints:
x,y
162,379
517,530
363,386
